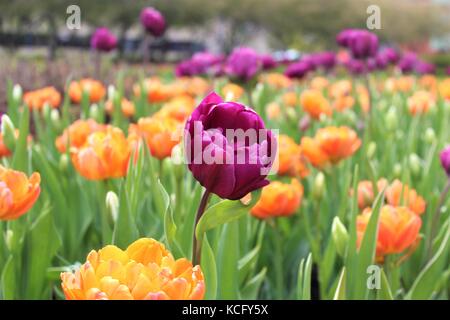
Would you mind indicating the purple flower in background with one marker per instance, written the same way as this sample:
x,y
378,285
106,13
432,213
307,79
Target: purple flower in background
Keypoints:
x,y
103,40
381,61
355,67
239,166
407,62
185,69
153,21
326,59
363,44
243,63
390,54
268,62
448,71
343,38
445,160
371,64
311,61
297,70
423,67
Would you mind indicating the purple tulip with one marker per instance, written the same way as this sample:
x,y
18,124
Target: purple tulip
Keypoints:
x,y
103,40
445,160
423,67
153,21
297,70
268,62
390,54
381,61
243,63
407,62
448,71
371,64
363,44
185,69
224,162
355,67
326,59
343,38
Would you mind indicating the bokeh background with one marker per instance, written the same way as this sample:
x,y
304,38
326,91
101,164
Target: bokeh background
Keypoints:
x,y
37,48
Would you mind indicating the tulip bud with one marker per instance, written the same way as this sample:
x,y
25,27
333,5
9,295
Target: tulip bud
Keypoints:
x,y
55,118
111,92
391,119
414,164
112,204
371,149
9,238
430,136
17,92
177,155
304,123
319,186
290,113
46,109
340,236
397,170
8,132
94,111
63,162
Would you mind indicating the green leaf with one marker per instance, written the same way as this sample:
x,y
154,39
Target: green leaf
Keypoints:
x,y
9,280
340,293
20,158
209,269
42,244
125,230
304,279
366,256
223,212
246,263
385,292
428,279
251,289
228,256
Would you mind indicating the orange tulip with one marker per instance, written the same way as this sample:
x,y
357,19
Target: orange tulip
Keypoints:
x,y
146,270
105,154
290,159
77,133
401,194
429,82
93,88
330,145
319,83
193,86
4,151
278,200
18,193
364,98
273,110
290,99
276,80
420,102
38,98
340,88
178,108
343,102
160,134
444,89
314,103
398,229
366,194
232,91
127,107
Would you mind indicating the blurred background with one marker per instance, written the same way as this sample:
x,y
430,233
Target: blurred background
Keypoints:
x,y
35,39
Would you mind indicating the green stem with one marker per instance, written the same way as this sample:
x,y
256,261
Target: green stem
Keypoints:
x,y
278,261
436,216
196,245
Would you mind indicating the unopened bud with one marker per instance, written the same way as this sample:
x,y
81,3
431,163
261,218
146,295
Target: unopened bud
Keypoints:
x,y
111,92
94,111
397,170
391,119
291,114
371,149
17,92
8,132
9,238
340,236
64,162
415,164
112,204
319,186
430,136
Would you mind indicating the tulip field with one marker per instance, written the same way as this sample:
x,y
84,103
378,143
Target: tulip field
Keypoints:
x,y
234,176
